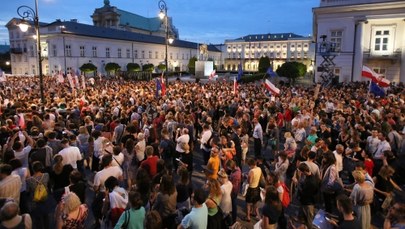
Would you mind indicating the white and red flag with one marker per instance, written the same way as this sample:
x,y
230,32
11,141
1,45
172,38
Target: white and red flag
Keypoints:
x,y
235,86
379,79
271,88
163,85
213,75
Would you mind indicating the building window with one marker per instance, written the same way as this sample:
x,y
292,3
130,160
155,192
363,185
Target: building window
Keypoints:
x,y
68,50
171,56
182,56
94,51
81,51
107,52
119,53
136,54
143,54
336,38
128,53
381,40
156,55
54,50
379,70
150,55
32,53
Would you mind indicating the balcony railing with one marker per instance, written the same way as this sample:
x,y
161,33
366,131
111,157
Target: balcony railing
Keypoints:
x,y
16,50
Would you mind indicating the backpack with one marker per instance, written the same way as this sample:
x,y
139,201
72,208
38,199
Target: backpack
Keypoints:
x,y
40,192
286,196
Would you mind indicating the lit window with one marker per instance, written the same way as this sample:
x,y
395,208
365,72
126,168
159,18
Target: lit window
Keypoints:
x,y
68,50
94,51
119,53
336,38
81,51
128,53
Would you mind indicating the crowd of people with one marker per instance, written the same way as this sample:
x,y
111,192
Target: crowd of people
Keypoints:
x,y
139,152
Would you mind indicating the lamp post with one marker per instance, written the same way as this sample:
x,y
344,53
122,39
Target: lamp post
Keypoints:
x,y
26,12
163,16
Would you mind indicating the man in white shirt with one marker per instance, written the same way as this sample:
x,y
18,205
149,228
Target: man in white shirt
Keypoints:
x,y
10,185
372,141
378,155
339,156
70,154
258,137
205,145
21,152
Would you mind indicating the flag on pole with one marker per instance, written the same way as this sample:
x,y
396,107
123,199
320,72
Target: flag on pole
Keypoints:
x,y
271,88
240,72
379,79
376,90
83,82
61,80
235,86
270,72
158,87
212,75
163,85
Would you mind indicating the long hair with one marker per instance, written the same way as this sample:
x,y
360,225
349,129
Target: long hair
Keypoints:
x,y
167,185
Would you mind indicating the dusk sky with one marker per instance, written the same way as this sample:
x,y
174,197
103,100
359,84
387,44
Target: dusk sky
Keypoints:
x,y
205,21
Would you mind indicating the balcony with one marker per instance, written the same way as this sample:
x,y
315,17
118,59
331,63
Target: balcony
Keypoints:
x,y
394,56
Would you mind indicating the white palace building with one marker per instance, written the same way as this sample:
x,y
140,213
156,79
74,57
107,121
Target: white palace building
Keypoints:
x,y
361,32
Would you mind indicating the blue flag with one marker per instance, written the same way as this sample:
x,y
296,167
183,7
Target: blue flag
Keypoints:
x,y
376,90
240,72
158,87
270,72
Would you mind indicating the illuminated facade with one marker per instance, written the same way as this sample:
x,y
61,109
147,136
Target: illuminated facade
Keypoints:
x,y
364,32
279,47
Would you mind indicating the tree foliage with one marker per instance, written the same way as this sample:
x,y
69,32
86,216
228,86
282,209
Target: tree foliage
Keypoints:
x,y
88,67
191,65
133,67
292,70
162,67
148,67
264,64
112,67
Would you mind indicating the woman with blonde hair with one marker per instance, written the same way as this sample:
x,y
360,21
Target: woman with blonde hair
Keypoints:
x,y
71,213
214,199
290,145
362,195
140,147
83,144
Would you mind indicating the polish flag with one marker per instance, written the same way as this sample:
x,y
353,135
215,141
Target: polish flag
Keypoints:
x,y
163,85
235,86
212,75
271,88
379,79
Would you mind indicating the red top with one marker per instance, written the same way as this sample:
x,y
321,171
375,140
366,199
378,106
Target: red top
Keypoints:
x,y
369,164
151,162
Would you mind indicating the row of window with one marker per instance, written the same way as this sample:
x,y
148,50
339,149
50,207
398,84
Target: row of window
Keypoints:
x,y
269,54
252,46
119,53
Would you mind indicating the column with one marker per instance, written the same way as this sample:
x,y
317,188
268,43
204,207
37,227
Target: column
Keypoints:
x,y
358,52
402,62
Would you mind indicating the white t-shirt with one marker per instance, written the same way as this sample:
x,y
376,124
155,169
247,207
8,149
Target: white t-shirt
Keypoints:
x,y
226,201
339,161
118,159
102,176
70,155
23,155
185,138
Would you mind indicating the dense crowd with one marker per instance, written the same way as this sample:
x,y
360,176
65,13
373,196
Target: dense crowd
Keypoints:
x,y
336,151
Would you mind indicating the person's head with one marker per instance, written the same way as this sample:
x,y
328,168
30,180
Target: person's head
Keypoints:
x,y
282,156
344,204
199,196
57,159
15,163
222,176
116,150
231,164
287,135
184,176
251,162
141,136
83,130
71,202
214,151
9,210
153,220
311,155
271,195
75,176
304,168
149,151
37,166
111,183
167,185
272,178
328,158
214,187
358,176
17,146
340,148
41,143
135,200
106,160
397,212
386,171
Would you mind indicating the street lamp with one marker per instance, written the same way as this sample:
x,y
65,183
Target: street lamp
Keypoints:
x,y
168,40
26,12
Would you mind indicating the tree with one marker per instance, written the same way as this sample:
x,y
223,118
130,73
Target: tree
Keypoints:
x,y
148,67
162,67
264,64
133,67
191,65
292,70
112,67
88,67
